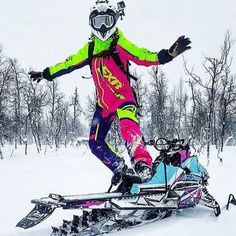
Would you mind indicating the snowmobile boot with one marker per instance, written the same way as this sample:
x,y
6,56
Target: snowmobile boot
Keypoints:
x,y
126,175
144,171
129,178
117,177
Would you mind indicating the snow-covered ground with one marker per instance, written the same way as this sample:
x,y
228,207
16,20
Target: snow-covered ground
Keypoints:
x,y
74,171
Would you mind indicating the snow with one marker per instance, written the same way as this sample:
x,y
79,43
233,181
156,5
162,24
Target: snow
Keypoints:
x,y
76,171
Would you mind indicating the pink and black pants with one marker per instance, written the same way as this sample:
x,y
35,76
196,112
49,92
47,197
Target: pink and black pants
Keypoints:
x,y
130,132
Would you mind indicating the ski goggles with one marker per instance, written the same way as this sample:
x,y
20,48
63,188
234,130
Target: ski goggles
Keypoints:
x,y
106,20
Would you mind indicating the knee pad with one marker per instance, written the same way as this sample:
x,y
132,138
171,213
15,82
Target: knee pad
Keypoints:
x,y
128,112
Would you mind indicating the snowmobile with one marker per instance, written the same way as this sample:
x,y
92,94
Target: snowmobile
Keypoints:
x,y
179,181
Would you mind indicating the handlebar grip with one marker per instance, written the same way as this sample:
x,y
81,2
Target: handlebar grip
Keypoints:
x,y
177,140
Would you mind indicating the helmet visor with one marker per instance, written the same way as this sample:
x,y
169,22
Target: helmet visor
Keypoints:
x,y
99,20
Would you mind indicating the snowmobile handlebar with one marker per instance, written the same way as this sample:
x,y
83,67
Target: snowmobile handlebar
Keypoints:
x,y
165,145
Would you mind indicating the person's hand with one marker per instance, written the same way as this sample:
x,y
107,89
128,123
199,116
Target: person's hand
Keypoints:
x,y
36,76
180,46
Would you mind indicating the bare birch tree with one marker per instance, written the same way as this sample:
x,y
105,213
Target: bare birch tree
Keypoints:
x,y
214,69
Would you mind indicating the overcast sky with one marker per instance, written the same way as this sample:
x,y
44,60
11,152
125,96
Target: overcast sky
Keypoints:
x,y
40,33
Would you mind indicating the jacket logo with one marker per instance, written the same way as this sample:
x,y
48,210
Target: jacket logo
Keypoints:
x,y
110,78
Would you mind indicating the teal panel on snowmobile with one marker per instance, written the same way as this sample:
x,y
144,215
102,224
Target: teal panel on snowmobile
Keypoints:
x,y
158,180
194,166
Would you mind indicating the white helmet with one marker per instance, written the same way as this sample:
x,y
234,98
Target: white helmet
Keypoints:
x,y
103,18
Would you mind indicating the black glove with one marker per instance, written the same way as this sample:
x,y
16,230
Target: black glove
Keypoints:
x,y
180,46
36,76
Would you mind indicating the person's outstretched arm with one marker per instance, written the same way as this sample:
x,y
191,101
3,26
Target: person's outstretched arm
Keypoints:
x,y
142,56
72,63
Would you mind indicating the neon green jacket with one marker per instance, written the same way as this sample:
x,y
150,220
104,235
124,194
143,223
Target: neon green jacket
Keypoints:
x,y
112,85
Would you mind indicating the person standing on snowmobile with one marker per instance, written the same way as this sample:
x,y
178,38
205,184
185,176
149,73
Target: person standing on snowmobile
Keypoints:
x,y
108,55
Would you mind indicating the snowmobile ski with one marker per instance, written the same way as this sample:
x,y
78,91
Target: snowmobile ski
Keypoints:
x,y
231,200
36,216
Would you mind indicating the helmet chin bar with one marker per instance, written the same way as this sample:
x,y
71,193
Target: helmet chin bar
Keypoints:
x,y
103,36
103,31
